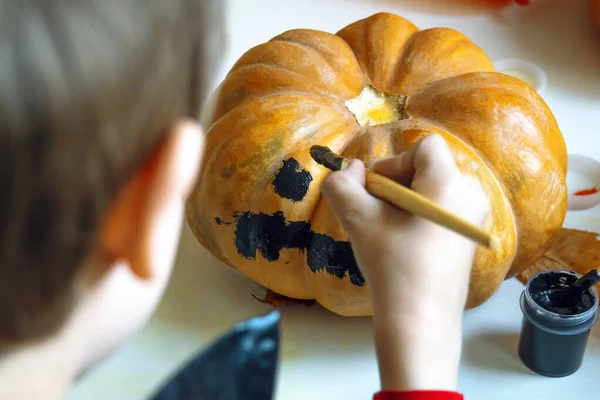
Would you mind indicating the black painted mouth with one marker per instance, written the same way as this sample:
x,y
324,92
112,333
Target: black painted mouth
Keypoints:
x,y
270,234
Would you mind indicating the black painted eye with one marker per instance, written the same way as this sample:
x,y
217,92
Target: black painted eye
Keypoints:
x,y
292,182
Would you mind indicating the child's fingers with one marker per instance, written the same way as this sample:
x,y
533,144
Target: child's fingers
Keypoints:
x,y
400,168
371,163
434,161
430,159
345,192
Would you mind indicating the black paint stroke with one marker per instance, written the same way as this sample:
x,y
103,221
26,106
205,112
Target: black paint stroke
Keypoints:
x,y
270,234
291,181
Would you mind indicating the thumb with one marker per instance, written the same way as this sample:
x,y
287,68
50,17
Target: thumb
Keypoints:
x,y
345,192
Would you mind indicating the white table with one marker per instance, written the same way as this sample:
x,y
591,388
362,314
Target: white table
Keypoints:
x,y
325,356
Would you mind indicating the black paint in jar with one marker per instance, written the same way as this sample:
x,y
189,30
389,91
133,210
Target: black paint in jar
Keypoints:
x,y
555,329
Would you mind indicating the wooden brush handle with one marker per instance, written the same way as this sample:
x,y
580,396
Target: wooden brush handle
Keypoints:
x,y
409,200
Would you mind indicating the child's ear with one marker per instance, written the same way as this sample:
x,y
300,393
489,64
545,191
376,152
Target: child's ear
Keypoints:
x,y
149,208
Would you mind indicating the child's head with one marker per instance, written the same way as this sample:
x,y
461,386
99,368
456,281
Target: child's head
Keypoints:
x,y
98,148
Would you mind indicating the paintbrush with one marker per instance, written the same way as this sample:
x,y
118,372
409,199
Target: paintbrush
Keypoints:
x,y
574,291
406,199
587,281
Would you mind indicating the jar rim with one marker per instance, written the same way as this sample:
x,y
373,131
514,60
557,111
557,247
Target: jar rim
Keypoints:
x,y
555,317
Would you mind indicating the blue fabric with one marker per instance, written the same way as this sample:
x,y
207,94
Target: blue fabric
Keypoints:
x,y
241,365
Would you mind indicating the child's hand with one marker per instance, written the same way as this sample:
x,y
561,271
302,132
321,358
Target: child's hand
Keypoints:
x,y
418,271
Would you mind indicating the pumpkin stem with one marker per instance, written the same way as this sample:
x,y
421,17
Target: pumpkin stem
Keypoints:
x,y
373,107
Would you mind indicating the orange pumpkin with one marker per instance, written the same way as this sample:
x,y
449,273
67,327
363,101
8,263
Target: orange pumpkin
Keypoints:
x,y
370,91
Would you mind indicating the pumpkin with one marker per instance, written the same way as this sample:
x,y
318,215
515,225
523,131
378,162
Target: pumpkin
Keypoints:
x,y
372,90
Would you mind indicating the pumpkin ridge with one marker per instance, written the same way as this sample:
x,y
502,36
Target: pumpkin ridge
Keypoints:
x,y
248,69
306,61
251,98
365,37
361,25
314,51
230,103
245,67
368,32
400,60
418,65
280,68
334,50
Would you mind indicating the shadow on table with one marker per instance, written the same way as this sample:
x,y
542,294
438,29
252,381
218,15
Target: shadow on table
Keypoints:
x,y
495,351
206,298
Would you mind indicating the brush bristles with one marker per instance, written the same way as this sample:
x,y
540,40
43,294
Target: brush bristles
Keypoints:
x,y
327,158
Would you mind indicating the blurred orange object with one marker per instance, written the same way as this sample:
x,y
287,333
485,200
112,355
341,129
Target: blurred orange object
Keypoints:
x,y
595,11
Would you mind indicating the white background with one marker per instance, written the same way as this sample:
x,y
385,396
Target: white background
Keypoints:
x,y
328,357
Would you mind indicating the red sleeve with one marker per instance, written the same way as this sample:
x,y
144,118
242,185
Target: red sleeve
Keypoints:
x,y
418,395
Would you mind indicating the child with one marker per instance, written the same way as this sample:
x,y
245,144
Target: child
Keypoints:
x,y
100,147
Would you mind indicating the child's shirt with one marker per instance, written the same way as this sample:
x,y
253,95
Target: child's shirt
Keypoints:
x,y
242,365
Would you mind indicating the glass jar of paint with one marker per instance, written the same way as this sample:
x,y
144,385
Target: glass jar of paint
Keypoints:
x,y
554,336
